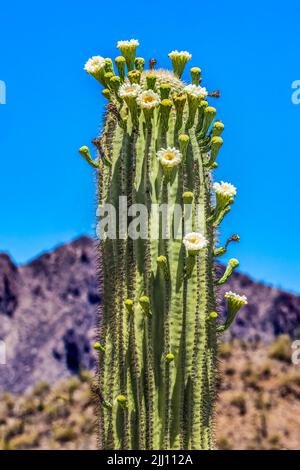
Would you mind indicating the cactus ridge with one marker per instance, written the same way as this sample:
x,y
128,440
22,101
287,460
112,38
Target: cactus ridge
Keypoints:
x,y
157,336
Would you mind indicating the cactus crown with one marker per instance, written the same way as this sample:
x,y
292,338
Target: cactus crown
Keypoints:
x,y
159,322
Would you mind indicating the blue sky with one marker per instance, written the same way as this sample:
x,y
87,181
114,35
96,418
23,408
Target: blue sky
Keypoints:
x,y
248,51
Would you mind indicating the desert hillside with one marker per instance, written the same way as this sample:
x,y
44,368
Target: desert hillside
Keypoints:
x,y
48,311
258,408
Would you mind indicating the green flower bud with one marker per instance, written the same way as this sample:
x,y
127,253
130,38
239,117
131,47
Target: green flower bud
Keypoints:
x,y
115,83
188,197
179,103
140,63
165,109
151,80
169,358
134,76
162,263
212,316
122,401
145,304
107,78
120,64
209,114
98,347
217,129
129,305
165,90
85,153
109,66
106,93
231,266
195,75
183,144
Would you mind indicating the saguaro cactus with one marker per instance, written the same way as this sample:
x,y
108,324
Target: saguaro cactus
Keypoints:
x,y
158,322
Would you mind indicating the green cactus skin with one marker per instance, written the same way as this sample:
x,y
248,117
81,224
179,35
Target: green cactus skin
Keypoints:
x,y
158,327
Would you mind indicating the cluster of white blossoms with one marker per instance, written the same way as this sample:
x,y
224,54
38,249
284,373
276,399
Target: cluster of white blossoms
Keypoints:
x,y
130,43
194,242
148,99
180,55
196,91
241,299
129,90
94,64
225,189
169,157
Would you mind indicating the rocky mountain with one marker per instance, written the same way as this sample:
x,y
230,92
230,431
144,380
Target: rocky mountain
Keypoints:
x,y
48,313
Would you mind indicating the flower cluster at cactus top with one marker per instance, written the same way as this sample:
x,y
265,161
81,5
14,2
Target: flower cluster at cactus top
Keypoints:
x,y
196,91
130,43
180,55
148,99
169,157
194,242
241,299
94,64
225,189
129,90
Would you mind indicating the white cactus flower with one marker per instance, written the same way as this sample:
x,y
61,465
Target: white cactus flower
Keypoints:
x,y
148,99
129,90
194,242
130,43
225,189
232,296
94,64
180,55
169,157
196,91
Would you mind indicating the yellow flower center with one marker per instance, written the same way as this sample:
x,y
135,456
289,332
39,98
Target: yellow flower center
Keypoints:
x,y
148,99
169,156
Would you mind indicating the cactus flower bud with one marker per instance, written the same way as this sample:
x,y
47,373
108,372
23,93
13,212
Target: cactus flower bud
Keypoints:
x,y
165,90
183,144
122,401
231,266
134,76
195,75
165,109
217,129
98,347
129,305
151,81
120,64
139,63
188,197
169,358
145,304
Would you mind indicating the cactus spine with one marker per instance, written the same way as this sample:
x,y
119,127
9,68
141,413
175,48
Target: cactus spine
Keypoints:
x,y
159,326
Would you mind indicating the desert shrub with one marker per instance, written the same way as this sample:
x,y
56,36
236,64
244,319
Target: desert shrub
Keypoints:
x,y
223,443
225,350
66,434
238,400
13,429
24,441
280,349
41,389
